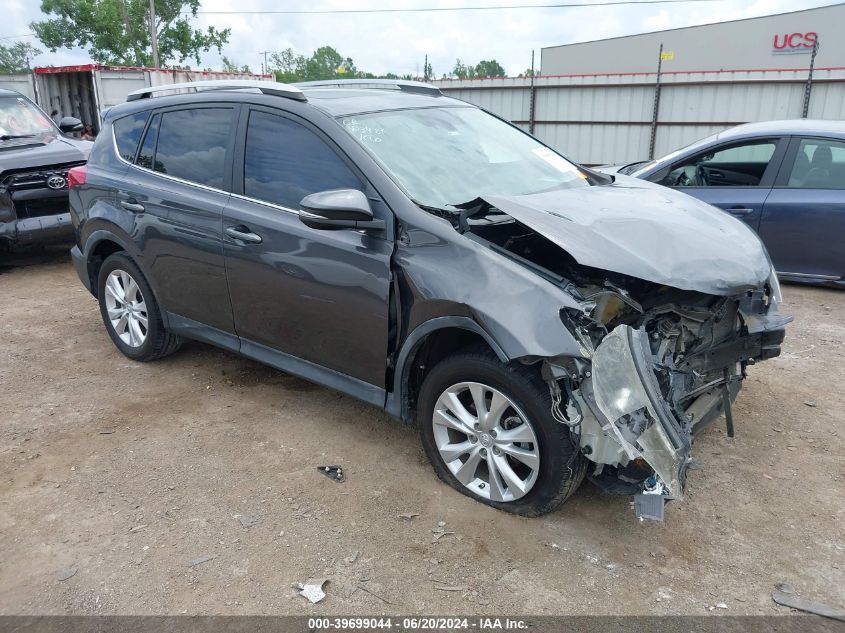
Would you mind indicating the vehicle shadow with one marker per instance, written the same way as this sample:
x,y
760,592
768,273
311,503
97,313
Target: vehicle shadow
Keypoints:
x,y
35,257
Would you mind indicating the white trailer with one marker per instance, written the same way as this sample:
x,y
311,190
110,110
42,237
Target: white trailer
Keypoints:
x,y
85,91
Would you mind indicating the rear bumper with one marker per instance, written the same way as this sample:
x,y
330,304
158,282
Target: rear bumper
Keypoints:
x,y
38,231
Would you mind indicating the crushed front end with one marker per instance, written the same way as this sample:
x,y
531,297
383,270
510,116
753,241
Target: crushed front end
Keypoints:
x,y
658,369
663,349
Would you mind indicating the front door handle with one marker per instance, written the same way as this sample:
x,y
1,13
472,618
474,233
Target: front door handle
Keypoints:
x,y
132,205
740,210
243,234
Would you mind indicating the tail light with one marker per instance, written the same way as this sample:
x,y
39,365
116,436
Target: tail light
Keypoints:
x,y
76,176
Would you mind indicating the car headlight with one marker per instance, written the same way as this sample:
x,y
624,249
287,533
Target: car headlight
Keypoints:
x,y
776,297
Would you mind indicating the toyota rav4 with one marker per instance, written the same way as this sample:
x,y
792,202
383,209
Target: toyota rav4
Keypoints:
x,y
538,321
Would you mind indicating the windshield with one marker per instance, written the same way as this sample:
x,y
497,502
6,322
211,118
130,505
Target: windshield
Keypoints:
x,y
19,117
448,156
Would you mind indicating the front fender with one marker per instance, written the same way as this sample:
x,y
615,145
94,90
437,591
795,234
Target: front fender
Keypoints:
x,y
404,359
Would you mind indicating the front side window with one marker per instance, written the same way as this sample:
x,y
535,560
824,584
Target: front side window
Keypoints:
x,y
447,156
285,161
819,164
20,117
739,165
127,134
192,145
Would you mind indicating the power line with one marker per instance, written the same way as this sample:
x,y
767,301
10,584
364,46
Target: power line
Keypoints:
x,y
12,37
566,5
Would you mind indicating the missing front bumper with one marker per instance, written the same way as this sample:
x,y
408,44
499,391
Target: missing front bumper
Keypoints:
x,y
632,412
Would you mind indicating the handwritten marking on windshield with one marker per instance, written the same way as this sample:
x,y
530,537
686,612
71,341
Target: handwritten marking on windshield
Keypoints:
x,y
365,132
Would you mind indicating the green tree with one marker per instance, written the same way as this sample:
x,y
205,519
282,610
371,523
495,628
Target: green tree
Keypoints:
x,y
327,63
288,66
230,66
15,58
117,31
428,71
462,71
489,68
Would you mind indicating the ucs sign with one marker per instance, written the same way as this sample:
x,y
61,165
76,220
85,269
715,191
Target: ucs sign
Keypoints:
x,y
795,42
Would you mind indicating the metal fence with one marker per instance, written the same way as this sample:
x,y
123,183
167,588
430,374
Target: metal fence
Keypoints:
x,y
610,118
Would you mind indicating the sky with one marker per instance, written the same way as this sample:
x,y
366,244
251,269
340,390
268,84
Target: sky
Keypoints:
x,y
399,42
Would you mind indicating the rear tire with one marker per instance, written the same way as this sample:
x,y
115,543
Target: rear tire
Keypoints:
x,y
130,312
515,457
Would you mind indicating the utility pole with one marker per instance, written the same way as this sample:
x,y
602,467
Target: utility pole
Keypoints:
x,y
265,68
153,33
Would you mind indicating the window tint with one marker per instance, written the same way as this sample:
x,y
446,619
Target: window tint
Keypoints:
x,y
148,149
192,145
819,164
740,165
284,162
127,134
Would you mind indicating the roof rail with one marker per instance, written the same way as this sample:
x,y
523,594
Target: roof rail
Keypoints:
x,y
385,84
265,87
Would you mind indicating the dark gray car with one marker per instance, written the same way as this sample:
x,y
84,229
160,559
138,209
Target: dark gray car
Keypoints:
x,y
539,321
35,156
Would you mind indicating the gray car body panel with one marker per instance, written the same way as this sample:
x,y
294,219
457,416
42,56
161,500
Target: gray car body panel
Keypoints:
x,y
646,231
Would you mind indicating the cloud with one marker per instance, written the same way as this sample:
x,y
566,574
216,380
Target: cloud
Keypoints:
x,y
398,42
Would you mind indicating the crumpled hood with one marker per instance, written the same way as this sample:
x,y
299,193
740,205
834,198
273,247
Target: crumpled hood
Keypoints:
x,y
646,231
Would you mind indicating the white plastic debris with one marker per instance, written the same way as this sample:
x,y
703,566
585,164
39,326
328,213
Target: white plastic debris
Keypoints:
x,y
313,590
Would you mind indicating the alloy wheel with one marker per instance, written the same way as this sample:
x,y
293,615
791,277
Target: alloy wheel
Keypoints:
x,y
126,308
487,443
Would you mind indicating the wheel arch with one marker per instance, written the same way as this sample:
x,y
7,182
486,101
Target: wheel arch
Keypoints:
x,y
102,243
424,347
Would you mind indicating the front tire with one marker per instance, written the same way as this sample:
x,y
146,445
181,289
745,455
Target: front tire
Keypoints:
x,y
488,430
130,312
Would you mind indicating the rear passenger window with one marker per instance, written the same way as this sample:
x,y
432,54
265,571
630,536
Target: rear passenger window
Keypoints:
x,y
285,161
127,134
148,149
819,164
192,145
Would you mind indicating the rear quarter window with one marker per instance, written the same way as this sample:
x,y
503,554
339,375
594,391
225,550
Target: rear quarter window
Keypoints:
x,y
127,134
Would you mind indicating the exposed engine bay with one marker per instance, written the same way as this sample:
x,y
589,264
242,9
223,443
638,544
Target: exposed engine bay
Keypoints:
x,y
658,363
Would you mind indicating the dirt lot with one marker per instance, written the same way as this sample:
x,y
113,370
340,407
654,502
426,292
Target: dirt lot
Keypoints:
x,y
126,473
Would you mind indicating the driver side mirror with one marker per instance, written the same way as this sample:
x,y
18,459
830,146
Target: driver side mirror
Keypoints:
x,y
338,209
70,124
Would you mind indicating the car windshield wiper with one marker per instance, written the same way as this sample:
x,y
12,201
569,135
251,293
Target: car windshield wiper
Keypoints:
x,y
7,137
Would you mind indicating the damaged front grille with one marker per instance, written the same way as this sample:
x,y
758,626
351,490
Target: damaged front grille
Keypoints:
x,y
37,192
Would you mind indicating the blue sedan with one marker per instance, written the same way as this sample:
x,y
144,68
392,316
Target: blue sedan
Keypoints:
x,y
786,179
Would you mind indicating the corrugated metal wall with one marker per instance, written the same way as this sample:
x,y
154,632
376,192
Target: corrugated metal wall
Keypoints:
x,y
597,119
19,83
84,91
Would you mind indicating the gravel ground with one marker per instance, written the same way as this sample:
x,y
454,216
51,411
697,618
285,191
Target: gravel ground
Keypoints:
x,y
190,485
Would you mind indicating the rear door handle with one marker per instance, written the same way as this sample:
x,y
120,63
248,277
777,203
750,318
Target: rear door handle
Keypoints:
x,y
132,205
243,234
740,210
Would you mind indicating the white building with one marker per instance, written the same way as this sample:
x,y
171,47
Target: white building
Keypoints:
x,y
602,102
772,42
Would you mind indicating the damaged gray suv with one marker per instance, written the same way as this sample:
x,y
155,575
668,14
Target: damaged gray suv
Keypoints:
x,y
538,321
